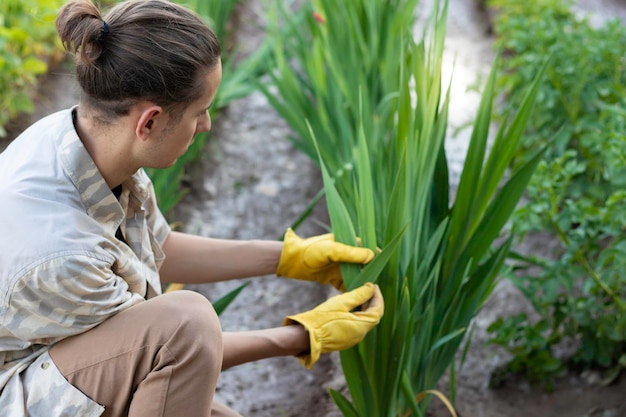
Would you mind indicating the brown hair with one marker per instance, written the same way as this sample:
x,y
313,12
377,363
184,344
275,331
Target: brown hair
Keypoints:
x,y
141,50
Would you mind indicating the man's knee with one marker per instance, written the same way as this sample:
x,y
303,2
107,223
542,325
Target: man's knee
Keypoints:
x,y
192,306
193,322
194,312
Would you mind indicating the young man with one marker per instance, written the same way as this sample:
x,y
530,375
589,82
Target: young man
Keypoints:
x,y
84,330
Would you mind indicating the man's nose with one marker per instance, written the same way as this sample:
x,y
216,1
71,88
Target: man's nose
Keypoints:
x,y
205,124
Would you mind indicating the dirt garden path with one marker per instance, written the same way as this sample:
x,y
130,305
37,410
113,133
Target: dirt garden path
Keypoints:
x,y
252,184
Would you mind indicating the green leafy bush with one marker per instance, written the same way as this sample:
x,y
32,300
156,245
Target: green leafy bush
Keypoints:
x,y
27,40
577,194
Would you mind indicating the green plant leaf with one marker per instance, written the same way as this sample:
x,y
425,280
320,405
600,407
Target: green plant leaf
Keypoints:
x,y
344,405
343,229
409,394
446,339
221,304
372,270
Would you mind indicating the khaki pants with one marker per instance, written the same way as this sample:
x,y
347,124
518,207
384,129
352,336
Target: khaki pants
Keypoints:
x,y
161,357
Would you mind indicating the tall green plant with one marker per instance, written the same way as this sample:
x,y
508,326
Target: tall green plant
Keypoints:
x,y
348,61
386,180
445,269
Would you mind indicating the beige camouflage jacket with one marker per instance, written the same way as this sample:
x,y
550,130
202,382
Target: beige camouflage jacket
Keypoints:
x,y
62,270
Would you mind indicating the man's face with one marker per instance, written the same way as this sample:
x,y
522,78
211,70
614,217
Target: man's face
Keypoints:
x,y
175,139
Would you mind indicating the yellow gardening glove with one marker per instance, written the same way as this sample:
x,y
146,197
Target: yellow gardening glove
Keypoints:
x,y
317,258
334,326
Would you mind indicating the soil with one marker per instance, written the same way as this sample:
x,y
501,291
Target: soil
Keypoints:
x,y
252,184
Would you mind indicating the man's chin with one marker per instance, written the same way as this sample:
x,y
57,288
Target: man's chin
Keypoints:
x,y
163,165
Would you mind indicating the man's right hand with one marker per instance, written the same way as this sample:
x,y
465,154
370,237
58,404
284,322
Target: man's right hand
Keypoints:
x,y
333,325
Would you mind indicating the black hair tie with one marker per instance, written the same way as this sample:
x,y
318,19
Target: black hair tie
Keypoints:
x,y
104,32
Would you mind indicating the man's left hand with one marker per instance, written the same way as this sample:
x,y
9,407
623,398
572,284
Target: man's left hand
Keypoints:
x,y
317,258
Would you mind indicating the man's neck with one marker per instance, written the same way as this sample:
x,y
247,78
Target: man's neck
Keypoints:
x,y
106,146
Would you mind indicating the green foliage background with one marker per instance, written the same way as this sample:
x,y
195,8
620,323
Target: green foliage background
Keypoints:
x,y
578,194
27,43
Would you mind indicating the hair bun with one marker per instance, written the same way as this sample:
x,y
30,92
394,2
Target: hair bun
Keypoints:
x,y
80,27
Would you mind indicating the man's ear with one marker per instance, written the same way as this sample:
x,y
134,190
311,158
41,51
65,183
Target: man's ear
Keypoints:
x,y
149,119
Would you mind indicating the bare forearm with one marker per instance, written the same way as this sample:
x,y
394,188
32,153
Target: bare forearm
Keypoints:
x,y
242,347
196,259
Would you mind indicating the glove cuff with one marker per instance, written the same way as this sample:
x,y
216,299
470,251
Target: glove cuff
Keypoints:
x,y
286,255
307,359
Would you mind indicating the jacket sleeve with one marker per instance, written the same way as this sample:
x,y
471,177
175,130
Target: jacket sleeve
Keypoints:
x,y
64,296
